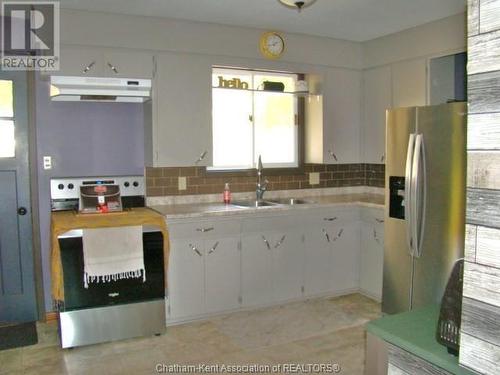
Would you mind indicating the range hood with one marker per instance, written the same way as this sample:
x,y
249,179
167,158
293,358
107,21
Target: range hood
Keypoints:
x,y
99,89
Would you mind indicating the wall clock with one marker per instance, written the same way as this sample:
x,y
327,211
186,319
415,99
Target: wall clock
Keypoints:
x,y
272,45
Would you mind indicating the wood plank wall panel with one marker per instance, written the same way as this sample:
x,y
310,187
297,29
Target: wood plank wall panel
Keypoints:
x,y
470,243
473,17
479,355
483,169
408,363
483,131
483,318
481,283
487,246
483,207
483,91
484,52
480,331
489,14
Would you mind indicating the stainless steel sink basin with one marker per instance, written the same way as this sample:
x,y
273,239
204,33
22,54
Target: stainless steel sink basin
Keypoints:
x,y
253,203
291,201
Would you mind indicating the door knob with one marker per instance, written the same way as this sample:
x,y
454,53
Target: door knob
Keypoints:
x,y
22,211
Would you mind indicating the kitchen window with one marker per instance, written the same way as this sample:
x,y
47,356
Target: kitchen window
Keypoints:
x,y
254,113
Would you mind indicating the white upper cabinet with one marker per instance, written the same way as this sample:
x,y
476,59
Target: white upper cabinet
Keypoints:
x,y
182,110
342,116
377,98
104,62
127,64
409,83
334,120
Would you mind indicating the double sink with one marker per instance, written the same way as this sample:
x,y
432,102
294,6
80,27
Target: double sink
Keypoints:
x,y
271,202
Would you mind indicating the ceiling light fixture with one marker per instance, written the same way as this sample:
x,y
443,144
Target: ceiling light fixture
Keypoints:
x,y
296,4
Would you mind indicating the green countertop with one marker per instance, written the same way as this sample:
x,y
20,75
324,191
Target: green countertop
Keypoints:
x,y
415,332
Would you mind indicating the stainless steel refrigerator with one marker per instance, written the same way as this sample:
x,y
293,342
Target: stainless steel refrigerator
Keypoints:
x,y
425,203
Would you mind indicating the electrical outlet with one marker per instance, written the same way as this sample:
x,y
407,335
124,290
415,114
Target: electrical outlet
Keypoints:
x,y
314,178
182,183
47,162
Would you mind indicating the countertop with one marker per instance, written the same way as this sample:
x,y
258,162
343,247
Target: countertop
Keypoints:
x,y
196,210
414,331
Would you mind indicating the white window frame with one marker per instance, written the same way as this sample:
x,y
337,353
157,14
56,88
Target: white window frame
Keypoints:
x,y
253,72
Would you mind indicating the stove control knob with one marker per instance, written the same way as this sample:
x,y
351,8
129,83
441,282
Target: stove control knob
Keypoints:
x,y
71,186
135,183
127,184
60,186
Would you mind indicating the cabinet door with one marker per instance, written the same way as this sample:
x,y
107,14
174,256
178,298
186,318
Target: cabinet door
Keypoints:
x,y
288,266
345,256
80,61
372,259
222,274
318,260
185,278
182,108
409,83
127,64
256,269
342,116
377,96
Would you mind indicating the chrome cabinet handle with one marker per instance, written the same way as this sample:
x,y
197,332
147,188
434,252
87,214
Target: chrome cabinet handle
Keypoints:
x,y
327,236
195,249
330,218
113,68
379,220
88,67
280,242
203,230
375,237
213,248
339,234
266,242
332,154
113,295
201,157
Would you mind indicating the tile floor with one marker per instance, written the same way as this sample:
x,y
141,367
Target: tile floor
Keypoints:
x,y
323,330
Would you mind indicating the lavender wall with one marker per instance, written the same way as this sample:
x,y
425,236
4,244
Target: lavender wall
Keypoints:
x,y
84,139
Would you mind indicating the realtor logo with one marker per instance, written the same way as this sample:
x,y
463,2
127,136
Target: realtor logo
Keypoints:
x,y
30,35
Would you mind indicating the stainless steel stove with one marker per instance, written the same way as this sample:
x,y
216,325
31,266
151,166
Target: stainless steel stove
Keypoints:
x,y
117,309
65,192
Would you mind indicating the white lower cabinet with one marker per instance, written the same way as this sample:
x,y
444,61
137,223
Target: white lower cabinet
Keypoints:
x,y
204,269
332,253
272,262
288,266
222,265
185,278
222,274
372,253
256,269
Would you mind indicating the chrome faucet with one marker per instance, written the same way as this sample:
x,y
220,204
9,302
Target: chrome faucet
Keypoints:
x,y
261,187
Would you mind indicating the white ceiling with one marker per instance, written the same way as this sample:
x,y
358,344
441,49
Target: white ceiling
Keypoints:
x,y
356,20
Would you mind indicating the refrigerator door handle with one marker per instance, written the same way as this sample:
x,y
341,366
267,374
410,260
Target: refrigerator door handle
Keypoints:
x,y
419,194
408,193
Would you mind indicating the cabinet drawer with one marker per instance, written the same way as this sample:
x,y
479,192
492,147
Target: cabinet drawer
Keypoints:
x,y
331,215
270,223
204,228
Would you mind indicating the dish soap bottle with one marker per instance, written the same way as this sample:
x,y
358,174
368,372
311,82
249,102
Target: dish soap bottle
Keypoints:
x,y
227,194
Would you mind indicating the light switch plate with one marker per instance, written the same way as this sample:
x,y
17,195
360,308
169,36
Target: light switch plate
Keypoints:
x,y
314,178
182,183
47,162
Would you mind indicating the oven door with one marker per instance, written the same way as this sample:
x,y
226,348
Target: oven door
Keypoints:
x,y
76,296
